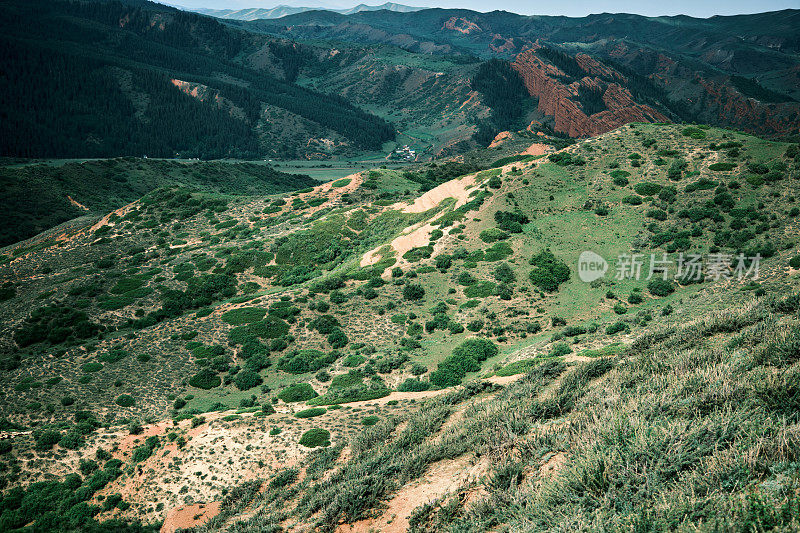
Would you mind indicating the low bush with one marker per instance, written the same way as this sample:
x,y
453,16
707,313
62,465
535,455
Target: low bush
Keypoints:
x,y
616,327
299,392
314,438
302,361
722,167
247,379
559,349
491,235
413,385
632,200
466,357
413,292
660,287
549,273
647,188
311,413
92,367
480,289
205,379
125,400
244,315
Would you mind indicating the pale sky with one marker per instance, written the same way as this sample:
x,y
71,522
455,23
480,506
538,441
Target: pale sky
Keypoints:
x,y
572,8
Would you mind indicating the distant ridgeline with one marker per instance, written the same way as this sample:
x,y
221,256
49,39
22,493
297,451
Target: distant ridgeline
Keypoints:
x,y
104,79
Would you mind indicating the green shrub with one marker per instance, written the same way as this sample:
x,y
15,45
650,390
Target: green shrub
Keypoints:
x,y
466,357
559,349
694,133
247,379
338,339
413,385
353,360
92,367
113,355
205,379
497,252
632,200
316,437
573,331
511,222
55,324
353,377
299,392
358,393
722,167
616,327
244,315
620,177
413,292
302,361
493,234
269,328
794,262
475,325
480,289
125,400
285,477
311,413
504,273
549,273
370,420
660,287
647,188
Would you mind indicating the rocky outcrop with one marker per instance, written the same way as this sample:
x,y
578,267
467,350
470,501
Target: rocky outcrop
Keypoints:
x,y
722,103
461,25
560,96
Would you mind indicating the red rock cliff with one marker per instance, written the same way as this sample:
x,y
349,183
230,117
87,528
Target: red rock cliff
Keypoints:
x,y
560,100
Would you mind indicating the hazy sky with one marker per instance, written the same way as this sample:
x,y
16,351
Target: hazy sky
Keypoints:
x,y
573,8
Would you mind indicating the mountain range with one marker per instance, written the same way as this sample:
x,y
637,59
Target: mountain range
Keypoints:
x,y
322,84
283,10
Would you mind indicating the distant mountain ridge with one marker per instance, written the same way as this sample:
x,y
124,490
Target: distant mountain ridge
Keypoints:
x,y
284,10
735,71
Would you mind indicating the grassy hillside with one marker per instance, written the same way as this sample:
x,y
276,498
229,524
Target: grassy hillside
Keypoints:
x,y
42,195
429,331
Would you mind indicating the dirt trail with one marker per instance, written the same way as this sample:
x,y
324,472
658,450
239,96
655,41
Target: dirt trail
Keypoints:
x,y
189,516
442,478
76,203
419,235
457,188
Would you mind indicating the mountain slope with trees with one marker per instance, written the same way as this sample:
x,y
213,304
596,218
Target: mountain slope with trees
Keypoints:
x,y
100,79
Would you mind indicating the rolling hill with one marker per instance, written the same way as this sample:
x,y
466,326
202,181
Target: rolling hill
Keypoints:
x,y
417,347
39,196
